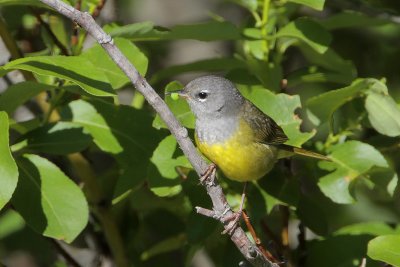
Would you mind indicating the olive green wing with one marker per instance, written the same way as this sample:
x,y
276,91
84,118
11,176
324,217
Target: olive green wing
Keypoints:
x,y
265,129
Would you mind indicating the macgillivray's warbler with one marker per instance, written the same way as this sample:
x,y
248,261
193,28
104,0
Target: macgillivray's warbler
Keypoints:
x,y
233,133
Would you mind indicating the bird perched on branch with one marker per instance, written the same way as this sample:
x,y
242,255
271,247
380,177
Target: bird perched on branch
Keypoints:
x,y
242,141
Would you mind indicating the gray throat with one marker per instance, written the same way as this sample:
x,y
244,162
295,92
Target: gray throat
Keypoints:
x,y
216,130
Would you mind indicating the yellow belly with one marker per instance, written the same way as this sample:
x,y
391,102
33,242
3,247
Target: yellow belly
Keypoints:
x,y
239,157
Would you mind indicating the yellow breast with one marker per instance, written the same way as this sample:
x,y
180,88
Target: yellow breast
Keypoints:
x,y
239,157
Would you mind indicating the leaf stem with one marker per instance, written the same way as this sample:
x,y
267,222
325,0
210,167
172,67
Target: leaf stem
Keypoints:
x,y
264,21
50,115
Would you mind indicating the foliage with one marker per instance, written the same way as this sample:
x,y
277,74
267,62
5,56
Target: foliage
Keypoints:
x,y
326,71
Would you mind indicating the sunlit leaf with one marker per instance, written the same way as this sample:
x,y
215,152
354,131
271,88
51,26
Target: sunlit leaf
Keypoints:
x,y
76,69
385,248
114,74
122,131
163,158
308,31
350,160
8,168
324,105
316,4
249,4
49,201
383,113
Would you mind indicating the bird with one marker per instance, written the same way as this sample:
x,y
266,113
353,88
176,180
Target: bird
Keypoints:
x,y
235,135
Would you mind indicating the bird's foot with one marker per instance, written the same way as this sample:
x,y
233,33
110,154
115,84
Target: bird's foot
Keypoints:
x,y
209,175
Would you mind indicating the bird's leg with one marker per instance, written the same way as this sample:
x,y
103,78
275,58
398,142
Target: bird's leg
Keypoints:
x,y
235,217
209,173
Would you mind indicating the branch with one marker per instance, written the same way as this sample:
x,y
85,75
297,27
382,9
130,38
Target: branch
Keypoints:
x,y
220,205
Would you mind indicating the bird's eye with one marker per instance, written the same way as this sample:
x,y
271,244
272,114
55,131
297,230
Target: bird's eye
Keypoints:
x,y
203,95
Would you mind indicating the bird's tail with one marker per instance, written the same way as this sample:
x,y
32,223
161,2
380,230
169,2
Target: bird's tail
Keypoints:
x,y
303,152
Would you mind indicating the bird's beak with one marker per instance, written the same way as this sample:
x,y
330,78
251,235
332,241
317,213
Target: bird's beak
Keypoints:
x,y
181,93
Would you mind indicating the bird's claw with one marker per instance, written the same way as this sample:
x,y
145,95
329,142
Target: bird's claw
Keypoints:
x,y
233,219
209,174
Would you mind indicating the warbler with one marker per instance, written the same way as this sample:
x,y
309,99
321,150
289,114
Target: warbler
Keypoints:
x,y
233,133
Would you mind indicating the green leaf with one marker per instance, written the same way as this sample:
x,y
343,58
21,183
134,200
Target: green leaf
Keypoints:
x,y
48,200
85,115
255,48
251,5
385,248
10,222
324,105
306,76
122,131
179,107
348,251
316,4
23,3
369,228
269,74
78,70
59,139
162,175
19,93
280,107
164,246
349,18
114,74
308,31
25,126
383,113
213,64
146,31
330,60
349,161
163,158
8,168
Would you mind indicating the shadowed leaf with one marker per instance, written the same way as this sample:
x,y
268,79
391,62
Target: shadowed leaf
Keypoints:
x,y
48,200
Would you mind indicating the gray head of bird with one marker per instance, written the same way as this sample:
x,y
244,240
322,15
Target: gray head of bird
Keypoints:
x,y
212,97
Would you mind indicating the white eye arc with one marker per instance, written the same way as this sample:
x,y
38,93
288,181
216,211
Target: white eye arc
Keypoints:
x,y
202,96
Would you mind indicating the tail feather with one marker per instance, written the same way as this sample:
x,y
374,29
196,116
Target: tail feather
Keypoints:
x,y
303,152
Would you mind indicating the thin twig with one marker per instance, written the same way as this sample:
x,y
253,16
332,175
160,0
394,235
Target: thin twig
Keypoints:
x,y
68,258
98,9
220,204
75,27
256,239
363,262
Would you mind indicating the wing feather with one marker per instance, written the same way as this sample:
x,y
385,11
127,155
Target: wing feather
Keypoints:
x,y
266,130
